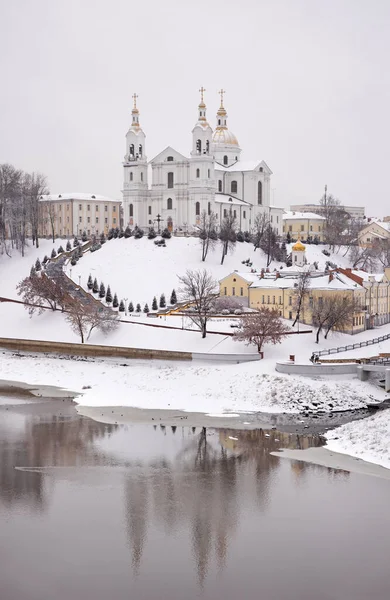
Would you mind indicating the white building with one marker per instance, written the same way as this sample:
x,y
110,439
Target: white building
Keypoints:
x,y
356,212
212,179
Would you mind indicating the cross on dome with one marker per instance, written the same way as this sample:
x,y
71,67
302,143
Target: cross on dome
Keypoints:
x,y
202,90
221,93
135,96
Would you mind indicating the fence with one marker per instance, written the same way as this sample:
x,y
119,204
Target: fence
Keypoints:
x,y
371,342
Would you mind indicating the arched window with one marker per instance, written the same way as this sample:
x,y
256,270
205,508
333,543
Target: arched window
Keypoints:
x,y
197,173
169,204
170,180
233,187
259,193
220,185
209,208
207,146
131,210
131,175
225,160
219,121
199,146
197,208
140,150
131,151
142,176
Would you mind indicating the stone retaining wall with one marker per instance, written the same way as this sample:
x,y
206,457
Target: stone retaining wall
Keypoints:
x,y
312,370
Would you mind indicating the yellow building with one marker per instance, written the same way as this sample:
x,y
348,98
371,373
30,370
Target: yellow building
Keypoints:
x,y
71,214
372,232
303,225
377,294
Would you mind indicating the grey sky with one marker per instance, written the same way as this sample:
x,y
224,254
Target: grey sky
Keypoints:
x,y
307,82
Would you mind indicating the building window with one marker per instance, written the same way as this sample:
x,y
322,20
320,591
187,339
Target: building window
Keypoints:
x,y
170,180
60,220
319,227
272,219
67,207
150,222
220,185
235,214
277,219
142,176
197,173
114,220
224,212
80,219
88,207
302,228
290,300
311,227
225,291
268,299
198,146
208,173
290,227
131,210
67,219
225,160
263,299
233,187
209,208
80,207
273,299
131,175
290,314
241,291
233,291
244,214
170,158
105,208
197,208
106,220
140,150
114,209
280,299
259,192
149,210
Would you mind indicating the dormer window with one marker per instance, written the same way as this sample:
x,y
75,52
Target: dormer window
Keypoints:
x,y
261,169
170,158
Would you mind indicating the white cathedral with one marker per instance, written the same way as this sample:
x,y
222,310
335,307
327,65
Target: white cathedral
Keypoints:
x,y
212,179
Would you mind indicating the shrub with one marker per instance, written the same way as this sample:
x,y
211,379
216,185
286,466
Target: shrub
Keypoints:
x,y
326,252
127,232
227,302
95,247
60,250
152,234
121,306
45,259
115,302
146,308
102,238
154,304
90,282
95,287
73,262
225,311
84,236
247,237
108,295
102,291
75,242
53,253
238,311
131,307
173,299
163,302
110,234
32,271
166,234
121,233
138,309
116,232
68,246
38,265
138,233
240,237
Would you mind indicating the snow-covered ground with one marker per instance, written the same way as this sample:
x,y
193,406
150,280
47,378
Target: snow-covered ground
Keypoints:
x,y
368,439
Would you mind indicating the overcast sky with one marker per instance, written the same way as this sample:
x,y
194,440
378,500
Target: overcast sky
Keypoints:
x,y
307,88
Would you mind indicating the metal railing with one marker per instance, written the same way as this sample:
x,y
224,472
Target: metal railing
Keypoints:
x,y
364,344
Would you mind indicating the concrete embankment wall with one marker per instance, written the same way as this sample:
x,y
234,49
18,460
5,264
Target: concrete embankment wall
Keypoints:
x,y
117,351
312,370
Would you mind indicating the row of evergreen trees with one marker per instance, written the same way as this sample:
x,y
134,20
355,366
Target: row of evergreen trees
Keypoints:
x,y
136,233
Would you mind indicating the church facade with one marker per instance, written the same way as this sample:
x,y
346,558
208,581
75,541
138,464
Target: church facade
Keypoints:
x,y
173,190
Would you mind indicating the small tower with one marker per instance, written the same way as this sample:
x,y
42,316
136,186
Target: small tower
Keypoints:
x,y
298,254
135,167
201,184
225,144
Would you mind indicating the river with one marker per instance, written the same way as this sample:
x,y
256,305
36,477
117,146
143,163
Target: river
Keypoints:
x,y
94,511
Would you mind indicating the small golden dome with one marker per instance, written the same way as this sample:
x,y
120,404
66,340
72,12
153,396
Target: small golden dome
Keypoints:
x,y
299,247
223,136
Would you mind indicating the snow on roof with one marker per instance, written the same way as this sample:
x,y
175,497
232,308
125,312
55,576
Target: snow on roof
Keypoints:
x,y
246,165
366,276
288,214
338,282
226,199
75,196
249,277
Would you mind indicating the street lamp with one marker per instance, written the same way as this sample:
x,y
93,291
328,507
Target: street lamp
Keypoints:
x,y
125,301
159,220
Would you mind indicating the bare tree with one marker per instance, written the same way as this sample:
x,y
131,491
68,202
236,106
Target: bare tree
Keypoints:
x,y
84,317
260,227
364,258
261,327
269,245
39,291
38,188
227,234
208,235
301,293
50,216
336,219
333,313
198,289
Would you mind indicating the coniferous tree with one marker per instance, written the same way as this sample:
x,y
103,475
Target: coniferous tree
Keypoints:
x,y
146,308
121,306
45,259
68,246
32,271
288,237
121,233
115,301
75,242
152,234
102,291
90,282
138,309
110,234
166,234
79,252
53,253
84,236
127,232
60,250
173,299
102,238
154,304
38,265
163,302
116,232
131,307
108,295
95,287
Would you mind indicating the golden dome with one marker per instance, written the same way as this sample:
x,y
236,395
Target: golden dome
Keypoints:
x,y
223,136
299,247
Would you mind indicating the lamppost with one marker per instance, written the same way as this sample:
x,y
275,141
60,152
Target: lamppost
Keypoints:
x,y
159,220
79,280
125,301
